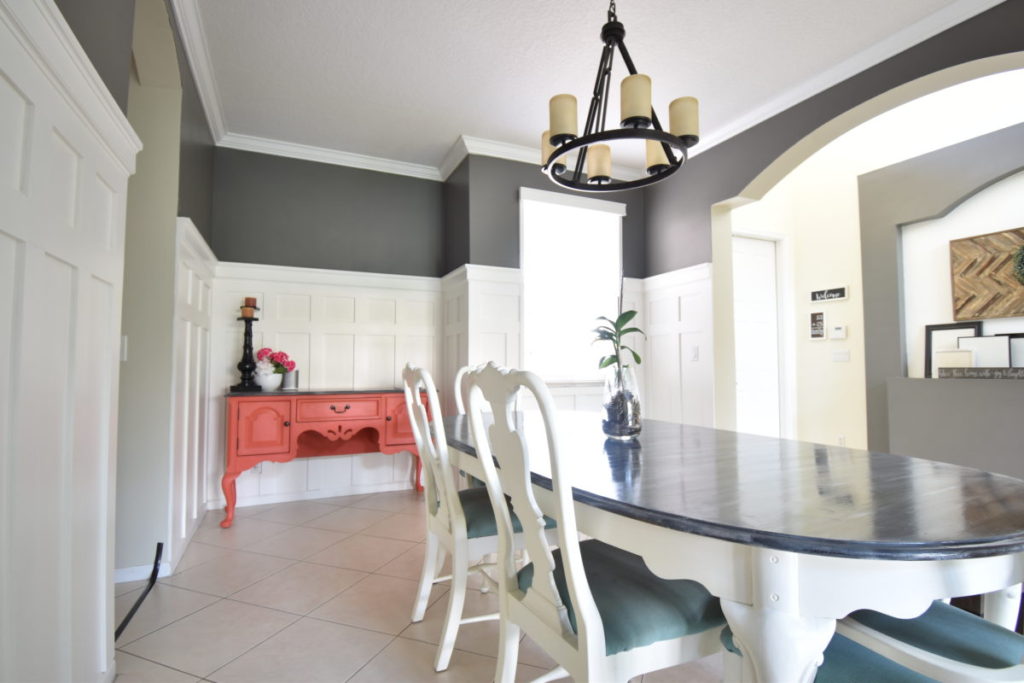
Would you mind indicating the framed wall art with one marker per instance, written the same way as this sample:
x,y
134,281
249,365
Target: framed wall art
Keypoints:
x,y
982,272
989,352
944,338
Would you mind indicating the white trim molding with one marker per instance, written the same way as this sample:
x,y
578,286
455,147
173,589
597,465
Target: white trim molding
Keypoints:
x,y
55,50
323,155
193,38
573,200
320,276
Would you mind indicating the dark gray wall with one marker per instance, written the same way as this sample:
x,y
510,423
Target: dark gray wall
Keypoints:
x,y
971,422
456,217
494,214
918,189
104,28
195,170
678,210
289,212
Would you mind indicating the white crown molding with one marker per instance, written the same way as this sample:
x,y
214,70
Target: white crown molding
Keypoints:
x,y
453,157
904,39
193,38
56,51
502,150
251,143
258,272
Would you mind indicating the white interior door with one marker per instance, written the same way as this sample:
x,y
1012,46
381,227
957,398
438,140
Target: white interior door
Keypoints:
x,y
756,311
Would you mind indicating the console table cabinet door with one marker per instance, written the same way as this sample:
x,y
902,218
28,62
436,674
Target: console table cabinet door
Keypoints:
x,y
398,429
264,427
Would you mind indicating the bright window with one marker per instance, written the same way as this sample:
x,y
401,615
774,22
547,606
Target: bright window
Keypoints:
x,y
571,259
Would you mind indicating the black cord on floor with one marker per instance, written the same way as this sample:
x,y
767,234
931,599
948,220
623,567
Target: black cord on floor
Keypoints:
x,y
149,587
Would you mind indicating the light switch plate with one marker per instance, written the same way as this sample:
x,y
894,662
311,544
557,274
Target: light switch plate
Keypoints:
x,y
837,332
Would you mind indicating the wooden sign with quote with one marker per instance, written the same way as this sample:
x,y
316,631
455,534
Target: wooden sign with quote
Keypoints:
x,y
982,272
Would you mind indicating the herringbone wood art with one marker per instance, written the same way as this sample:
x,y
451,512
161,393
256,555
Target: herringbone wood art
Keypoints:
x,y
982,272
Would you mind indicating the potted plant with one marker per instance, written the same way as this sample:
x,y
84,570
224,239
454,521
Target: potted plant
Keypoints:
x,y
270,368
621,399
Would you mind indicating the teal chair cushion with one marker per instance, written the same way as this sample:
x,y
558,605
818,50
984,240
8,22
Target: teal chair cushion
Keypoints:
x,y
480,515
637,607
850,662
952,633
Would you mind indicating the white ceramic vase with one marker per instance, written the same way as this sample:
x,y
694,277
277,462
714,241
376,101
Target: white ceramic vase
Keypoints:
x,y
270,381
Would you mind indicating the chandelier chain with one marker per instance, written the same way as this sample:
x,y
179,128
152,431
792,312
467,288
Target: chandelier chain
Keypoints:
x,y
611,11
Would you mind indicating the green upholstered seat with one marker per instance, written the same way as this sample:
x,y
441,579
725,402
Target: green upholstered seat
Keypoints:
x,y
480,515
849,662
952,633
637,607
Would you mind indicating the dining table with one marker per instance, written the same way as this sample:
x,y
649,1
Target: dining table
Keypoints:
x,y
789,535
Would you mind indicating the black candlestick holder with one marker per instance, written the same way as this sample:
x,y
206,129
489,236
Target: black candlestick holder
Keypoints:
x,y
247,366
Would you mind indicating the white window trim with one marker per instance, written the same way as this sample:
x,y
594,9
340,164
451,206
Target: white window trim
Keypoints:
x,y
574,200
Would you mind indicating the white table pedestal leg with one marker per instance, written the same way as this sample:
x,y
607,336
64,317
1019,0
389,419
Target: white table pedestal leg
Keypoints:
x,y
778,647
778,642
1002,606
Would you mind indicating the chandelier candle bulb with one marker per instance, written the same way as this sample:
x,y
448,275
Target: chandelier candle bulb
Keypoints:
x,y
546,149
562,110
599,164
683,118
657,160
636,101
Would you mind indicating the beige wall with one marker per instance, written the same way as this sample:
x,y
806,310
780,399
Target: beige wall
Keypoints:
x,y
145,423
814,211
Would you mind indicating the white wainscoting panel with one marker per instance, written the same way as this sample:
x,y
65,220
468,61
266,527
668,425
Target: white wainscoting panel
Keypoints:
x,y
66,153
680,377
346,331
482,321
190,451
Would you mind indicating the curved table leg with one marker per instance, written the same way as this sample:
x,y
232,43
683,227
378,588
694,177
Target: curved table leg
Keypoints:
x,y
227,483
1002,606
778,646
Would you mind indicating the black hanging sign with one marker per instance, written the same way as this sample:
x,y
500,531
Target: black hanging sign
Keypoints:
x,y
834,294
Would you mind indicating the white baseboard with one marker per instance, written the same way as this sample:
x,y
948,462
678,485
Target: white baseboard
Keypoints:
x,y
140,572
248,501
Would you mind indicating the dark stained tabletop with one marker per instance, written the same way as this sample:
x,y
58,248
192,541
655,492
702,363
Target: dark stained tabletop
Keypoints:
x,y
782,494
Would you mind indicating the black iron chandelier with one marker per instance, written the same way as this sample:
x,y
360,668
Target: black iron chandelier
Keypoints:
x,y
592,170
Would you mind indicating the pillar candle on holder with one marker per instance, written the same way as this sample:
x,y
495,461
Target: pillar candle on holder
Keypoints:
x,y
250,301
248,312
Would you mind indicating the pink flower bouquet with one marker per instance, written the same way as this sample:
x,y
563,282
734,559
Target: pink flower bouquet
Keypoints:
x,y
269,362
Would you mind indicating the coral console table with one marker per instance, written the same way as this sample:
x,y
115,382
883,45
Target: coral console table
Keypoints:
x,y
283,425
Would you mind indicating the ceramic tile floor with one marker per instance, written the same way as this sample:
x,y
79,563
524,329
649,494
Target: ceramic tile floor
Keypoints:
x,y
314,591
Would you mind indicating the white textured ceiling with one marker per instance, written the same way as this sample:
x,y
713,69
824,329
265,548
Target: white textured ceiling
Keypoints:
x,y
403,79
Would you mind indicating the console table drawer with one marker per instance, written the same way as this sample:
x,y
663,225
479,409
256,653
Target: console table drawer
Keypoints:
x,y
338,409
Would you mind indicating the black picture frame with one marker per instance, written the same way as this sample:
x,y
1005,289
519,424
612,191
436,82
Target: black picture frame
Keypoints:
x,y
1019,356
947,327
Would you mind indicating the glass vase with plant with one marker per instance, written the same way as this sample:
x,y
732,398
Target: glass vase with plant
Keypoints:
x,y
621,397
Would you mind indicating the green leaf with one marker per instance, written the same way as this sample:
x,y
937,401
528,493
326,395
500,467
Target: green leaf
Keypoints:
x,y
606,361
636,356
624,318
604,333
631,330
610,321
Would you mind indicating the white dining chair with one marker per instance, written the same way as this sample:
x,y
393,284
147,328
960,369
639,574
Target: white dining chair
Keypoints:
x,y
945,643
459,523
596,609
460,399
